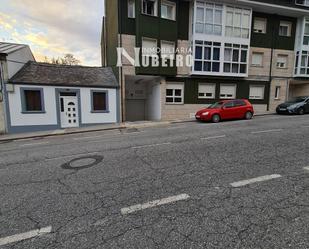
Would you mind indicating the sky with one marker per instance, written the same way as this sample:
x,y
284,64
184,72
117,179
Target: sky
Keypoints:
x,y
53,28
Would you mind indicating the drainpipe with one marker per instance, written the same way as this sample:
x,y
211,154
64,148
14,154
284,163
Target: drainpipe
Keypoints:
x,y
273,42
120,68
3,79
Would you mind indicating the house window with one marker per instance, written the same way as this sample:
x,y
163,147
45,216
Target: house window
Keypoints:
x,y
277,92
260,25
99,101
168,10
282,61
168,50
209,18
207,56
256,92
206,91
302,2
150,7
174,93
257,59
227,91
32,100
149,47
306,33
237,22
131,8
285,28
304,64
235,58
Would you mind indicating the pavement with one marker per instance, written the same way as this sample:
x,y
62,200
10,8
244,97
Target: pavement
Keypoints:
x,y
239,184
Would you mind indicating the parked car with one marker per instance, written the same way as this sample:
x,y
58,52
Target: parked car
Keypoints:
x,y
298,105
226,110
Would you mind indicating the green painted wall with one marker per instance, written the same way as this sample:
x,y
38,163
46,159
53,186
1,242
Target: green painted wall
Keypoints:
x,y
191,89
272,39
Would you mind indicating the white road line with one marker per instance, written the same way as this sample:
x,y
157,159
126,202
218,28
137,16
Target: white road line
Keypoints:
x,y
207,138
306,126
266,131
253,180
32,144
149,145
74,155
24,236
154,203
306,168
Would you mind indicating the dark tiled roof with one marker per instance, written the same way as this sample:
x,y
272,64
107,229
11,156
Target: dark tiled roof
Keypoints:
x,y
61,75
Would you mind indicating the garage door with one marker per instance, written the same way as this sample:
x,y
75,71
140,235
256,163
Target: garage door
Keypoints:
x,y
135,110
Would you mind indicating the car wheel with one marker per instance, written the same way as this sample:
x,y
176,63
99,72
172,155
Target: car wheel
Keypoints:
x,y
248,115
301,111
215,118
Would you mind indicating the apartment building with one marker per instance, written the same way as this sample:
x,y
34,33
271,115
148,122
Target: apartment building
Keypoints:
x,y
240,48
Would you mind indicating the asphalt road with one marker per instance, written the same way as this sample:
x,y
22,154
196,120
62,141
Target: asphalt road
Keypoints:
x,y
239,184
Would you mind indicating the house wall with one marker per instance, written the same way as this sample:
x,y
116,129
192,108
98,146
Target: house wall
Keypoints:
x,y
153,103
17,60
2,120
299,90
273,103
20,122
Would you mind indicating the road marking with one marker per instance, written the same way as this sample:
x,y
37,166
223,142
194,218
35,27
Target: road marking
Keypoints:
x,y
306,168
207,138
253,180
266,131
306,126
33,144
24,236
74,155
149,145
154,203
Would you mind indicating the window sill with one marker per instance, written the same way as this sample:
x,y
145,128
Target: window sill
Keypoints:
x,y
256,66
174,103
168,19
282,68
100,111
33,112
149,15
206,98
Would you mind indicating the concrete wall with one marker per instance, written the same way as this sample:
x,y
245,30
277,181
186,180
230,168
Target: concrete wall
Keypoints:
x,y
183,47
17,118
22,56
299,90
273,103
2,121
153,103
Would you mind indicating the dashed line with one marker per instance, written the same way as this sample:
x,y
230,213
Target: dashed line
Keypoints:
x,y
149,145
266,131
155,203
254,180
208,138
33,144
25,236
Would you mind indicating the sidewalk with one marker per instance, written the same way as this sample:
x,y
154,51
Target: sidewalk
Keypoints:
x,y
126,125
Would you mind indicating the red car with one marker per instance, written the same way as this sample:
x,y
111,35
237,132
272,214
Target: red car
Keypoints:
x,y
226,109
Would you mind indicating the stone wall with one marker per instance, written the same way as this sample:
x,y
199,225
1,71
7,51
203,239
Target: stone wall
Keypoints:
x,y
273,103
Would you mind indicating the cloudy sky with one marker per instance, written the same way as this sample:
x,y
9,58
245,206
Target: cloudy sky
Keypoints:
x,y
54,27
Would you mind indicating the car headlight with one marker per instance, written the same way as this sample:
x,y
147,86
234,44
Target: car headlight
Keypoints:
x,y
205,113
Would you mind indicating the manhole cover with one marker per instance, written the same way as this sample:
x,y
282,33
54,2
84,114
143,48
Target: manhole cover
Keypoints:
x,y
82,162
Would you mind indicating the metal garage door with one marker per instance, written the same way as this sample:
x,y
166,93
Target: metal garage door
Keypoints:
x,y
135,109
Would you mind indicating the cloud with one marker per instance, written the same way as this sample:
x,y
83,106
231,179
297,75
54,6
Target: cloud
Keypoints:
x,y
55,27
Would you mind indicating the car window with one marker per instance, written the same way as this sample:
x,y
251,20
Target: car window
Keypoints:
x,y
229,104
239,103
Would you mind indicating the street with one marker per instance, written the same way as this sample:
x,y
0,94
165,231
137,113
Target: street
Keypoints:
x,y
237,184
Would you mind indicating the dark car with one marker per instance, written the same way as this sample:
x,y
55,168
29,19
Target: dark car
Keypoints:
x,y
298,105
226,109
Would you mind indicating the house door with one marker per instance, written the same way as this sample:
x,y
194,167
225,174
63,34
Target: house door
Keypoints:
x,y
69,111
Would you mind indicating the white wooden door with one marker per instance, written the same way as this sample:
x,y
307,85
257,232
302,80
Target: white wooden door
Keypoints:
x,y
69,111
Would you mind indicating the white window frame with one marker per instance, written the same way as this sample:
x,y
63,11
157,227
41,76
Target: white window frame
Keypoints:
x,y
165,54
131,4
242,27
153,54
306,35
264,28
228,97
277,92
212,90
241,48
302,2
252,96
174,86
155,8
169,4
216,8
257,64
289,28
281,64
206,45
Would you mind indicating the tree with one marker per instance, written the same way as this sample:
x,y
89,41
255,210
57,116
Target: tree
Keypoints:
x,y
68,59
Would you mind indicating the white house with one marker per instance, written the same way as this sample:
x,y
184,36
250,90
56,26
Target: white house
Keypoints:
x,y
46,97
12,58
